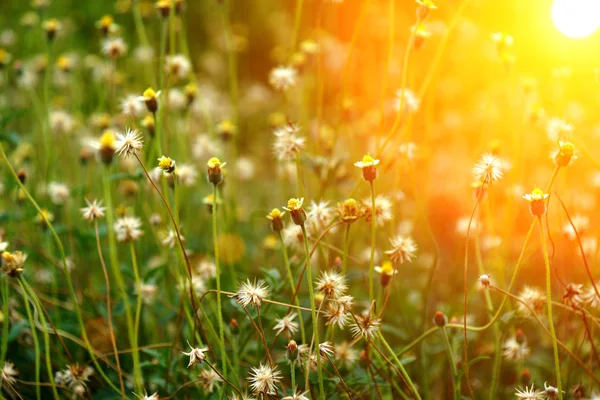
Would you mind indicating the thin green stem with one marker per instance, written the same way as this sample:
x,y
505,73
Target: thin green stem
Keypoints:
x,y
452,361
288,268
293,375
5,321
218,276
403,372
315,321
373,231
549,300
36,343
297,21
137,370
65,269
345,255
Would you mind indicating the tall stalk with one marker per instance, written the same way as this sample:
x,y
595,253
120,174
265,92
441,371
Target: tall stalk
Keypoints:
x,y
288,267
549,300
36,343
315,321
218,276
372,260
452,361
137,370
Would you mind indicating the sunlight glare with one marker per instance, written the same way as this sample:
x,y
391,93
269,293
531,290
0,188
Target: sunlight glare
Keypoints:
x,y
576,18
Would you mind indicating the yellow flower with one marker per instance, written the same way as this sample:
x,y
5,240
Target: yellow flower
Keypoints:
x,y
294,204
105,22
537,201
14,263
270,242
536,195
214,163
368,164
565,154
350,210
276,219
44,216
166,164
427,3
226,128
386,271
4,57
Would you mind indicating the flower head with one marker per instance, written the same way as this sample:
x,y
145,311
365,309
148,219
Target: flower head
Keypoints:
x,y
93,211
215,174
537,200
114,48
487,170
403,249
263,380
366,324
208,378
275,216
287,144
350,210
368,165
13,263
484,281
532,297
251,293
286,325
283,77
146,396
178,66
150,97
573,295
128,229
166,164
528,393
9,374
386,272
331,284
564,154
196,354
294,206
515,349
129,143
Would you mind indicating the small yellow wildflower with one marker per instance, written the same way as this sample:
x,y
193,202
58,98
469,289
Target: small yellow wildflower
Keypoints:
x,y
166,164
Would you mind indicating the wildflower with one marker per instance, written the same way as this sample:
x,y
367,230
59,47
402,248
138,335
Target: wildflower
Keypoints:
x,y
61,121
286,325
164,7
196,354
291,351
421,34
283,77
215,174
320,214
59,192
114,48
408,100
106,24
128,229
590,296
166,164
275,216
564,154
93,211
171,239
226,129
383,209
336,314
533,298
129,143
368,165
51,26
186,174
150,97
75,377
263,380
191,91
403,249
537,201
44,217
5,58
487,170
366,324
294,206
208,378
440,319
145,396
297,396
484,281
550,392
178,66
345,354
514,349
9,374
424,7
251,293
386,272
580,223
558,129
132,106
106,146
331,284
572,296
287,144
350,210
13,263
528,393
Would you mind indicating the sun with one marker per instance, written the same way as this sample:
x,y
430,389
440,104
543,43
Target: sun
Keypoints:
x,y
576,18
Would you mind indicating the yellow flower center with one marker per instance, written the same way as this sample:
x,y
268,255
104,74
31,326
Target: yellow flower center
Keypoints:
x,y
149,93
567,148
165,163
107,140
387,268
63,62
213,163
537,194
367,159
226,126
275,213
294,204
106,21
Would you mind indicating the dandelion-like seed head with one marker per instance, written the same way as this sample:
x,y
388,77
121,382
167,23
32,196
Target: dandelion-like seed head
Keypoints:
x,y
527,393
129,144
251,293
283,77
485,281
93,211
286,325
264,380
366,324
488,169
403,249
128,229
331,284
196,354
9,374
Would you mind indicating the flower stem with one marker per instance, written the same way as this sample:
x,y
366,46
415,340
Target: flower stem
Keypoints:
x,y
293,375
550,319
292,286
315,321
4,288
218,276
402,371
36,343
452,361
372,260
109,310
137,371
345,255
